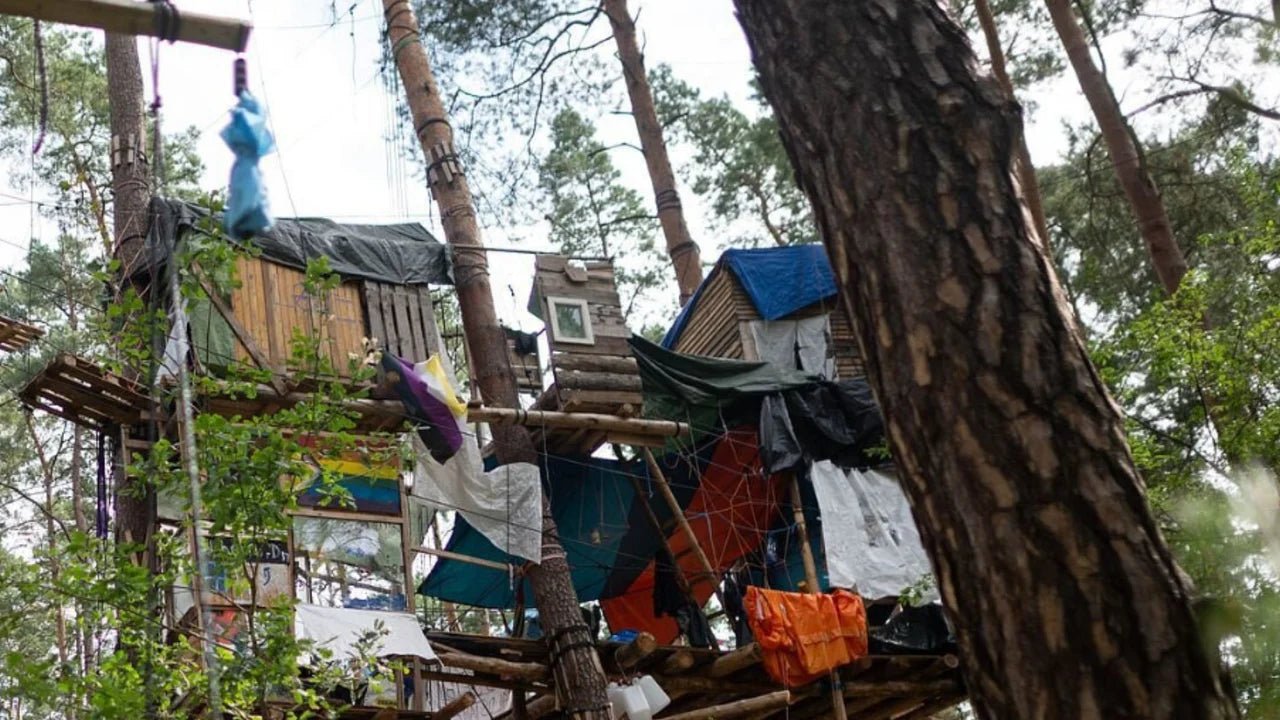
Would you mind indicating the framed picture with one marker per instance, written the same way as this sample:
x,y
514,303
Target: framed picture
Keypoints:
x,y
570,320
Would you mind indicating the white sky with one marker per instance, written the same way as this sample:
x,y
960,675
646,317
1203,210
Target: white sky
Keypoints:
x,y
330,115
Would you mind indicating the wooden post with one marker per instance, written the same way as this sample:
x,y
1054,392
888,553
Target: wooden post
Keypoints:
x,y
811,579
664,488
410,591
135,18
681,581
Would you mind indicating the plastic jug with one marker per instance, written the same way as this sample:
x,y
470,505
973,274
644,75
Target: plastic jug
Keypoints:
x,y
629,702
654,695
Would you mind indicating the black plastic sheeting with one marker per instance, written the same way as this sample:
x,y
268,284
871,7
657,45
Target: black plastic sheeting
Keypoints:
x,y
400,254
921,629
836,421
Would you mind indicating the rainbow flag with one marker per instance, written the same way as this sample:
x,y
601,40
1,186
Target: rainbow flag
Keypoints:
x,y
430,402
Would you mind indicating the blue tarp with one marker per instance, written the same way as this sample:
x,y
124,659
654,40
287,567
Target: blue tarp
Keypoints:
x,y
779,281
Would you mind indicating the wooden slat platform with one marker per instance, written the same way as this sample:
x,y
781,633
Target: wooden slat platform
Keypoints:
x,y
16,335
877,687
84,393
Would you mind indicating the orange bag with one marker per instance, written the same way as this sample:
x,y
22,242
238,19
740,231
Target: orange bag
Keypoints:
x,y
803,637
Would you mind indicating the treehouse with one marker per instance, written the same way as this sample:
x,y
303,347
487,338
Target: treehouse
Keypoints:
x,y
592,370
753,482
771,304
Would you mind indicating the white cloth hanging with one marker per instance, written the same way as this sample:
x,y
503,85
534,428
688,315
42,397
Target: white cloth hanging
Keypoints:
x,y
504,504
340,629
870,537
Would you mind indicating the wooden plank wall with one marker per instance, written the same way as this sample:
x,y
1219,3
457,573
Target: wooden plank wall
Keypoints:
x,y
713,328
601,377
272,302
717,327
402,318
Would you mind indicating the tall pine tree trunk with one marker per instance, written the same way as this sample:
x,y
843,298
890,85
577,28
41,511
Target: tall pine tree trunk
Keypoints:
x,y
580,679
131,184
1026,170
684,252
1130,167
1066,601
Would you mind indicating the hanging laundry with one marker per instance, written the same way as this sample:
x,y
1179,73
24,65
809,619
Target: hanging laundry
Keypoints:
x,y
503,504
802,637
247,135
868,532
430,402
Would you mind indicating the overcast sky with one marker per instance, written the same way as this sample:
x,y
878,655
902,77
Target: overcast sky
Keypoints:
x,y
320,83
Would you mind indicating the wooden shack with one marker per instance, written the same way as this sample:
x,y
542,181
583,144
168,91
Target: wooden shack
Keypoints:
x,y
272,304
717,320
592,368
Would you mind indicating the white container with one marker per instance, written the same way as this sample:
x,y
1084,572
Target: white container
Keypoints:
x,y
654,695
629,703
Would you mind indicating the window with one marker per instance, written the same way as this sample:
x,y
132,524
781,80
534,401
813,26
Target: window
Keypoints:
x,y
570,321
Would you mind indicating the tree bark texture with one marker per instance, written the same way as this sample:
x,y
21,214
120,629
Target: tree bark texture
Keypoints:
x,y
684,252
580,679
1025,169
1066,601
1130,167
131,184
130,166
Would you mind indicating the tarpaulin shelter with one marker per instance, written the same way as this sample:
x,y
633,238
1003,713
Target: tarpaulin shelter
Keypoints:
x,y
719,481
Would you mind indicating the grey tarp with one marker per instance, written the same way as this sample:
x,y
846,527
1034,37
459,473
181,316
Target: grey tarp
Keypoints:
x,y
401,254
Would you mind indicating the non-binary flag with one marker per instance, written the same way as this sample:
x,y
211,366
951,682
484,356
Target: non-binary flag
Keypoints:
x,y
430,402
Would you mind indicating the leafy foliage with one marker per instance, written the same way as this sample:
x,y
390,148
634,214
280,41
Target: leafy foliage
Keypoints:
x,y
593,214
739,165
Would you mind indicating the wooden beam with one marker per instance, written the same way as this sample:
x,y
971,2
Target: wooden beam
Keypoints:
x,y
630,655
492,666
459,704
394,410
731,662
737,708
904,688
677,662
449,555
477,680
135,18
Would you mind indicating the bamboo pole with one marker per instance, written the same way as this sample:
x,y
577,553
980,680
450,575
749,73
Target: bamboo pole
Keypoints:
x,y
664,488
811,579
505,416
135,18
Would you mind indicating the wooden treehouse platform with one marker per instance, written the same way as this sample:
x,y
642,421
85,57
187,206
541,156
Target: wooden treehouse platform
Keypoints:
x,y
16,335
85,393
708,683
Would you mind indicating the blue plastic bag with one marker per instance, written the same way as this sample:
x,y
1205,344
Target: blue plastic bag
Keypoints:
x,y
248,137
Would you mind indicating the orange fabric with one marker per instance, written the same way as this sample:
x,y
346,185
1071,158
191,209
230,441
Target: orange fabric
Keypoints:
x,y
802,637
730,514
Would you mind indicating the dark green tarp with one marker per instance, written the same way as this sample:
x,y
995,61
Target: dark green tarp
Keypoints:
x,y
707,392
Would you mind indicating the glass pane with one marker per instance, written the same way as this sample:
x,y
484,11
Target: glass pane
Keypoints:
x,y
349,563
570,322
